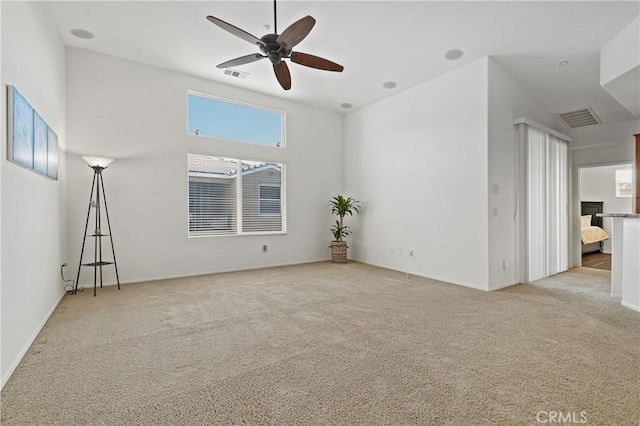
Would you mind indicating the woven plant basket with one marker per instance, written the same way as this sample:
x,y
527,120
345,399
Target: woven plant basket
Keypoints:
x,y
339,251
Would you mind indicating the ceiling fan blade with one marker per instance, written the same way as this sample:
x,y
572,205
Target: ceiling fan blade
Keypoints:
x,y
235,31
283,75
315,62
241,60
296,32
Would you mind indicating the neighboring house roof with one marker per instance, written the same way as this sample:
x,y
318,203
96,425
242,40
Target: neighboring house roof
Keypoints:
x,y
222,166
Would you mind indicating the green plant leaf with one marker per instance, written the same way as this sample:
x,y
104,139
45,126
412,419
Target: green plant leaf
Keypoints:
x,y
341,207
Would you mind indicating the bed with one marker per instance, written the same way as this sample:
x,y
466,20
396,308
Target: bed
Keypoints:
x,y
592,234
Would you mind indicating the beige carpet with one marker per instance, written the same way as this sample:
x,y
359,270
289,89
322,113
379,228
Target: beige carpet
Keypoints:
x,y
331,344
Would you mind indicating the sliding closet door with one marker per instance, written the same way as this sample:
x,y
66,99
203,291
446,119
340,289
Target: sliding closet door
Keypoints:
x,y
547,204
536,204
557,206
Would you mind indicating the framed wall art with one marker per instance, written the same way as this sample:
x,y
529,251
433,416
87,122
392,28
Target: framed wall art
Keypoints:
x,y
52,155
31,143
40,150
20,128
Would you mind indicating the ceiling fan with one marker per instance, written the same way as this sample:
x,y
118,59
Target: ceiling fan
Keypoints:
x,y
278,47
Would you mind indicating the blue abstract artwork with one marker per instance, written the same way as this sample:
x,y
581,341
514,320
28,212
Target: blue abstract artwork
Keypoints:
x,y
31,142
40,150
22,130
52,162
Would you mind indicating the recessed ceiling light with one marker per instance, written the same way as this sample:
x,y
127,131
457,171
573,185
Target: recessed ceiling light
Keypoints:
x,y
563,63
266,26
389,84
454,54
84,34
346,105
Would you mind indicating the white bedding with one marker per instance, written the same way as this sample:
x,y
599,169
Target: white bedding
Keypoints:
x,y
593,234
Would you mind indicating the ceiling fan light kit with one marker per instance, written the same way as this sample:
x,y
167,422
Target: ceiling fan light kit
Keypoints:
x,y
278,47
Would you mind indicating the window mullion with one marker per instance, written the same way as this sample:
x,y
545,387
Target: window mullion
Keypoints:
x,y
239,197
283,206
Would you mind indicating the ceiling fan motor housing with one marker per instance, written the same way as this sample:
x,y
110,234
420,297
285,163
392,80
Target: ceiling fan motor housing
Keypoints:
x,y
274,50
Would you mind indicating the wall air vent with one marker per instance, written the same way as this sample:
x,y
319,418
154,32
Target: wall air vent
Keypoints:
x,y
235,73
580,118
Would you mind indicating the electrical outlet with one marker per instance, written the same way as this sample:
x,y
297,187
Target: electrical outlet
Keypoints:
x,y
411,253
264,248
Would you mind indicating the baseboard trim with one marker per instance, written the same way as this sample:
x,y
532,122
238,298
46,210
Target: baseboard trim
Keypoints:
x,y
505,285
630,306
199,274
224,271
445,281
24,350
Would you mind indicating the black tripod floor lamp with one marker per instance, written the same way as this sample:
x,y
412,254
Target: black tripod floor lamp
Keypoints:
x,y
97,200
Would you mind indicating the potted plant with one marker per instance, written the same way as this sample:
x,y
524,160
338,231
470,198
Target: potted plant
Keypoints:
x,y
341,207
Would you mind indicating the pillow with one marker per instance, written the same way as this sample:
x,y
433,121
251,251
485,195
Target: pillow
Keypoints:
x,y
585,221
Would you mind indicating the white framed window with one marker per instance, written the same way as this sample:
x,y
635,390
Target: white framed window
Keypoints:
x,y
224,119
624,183
235,197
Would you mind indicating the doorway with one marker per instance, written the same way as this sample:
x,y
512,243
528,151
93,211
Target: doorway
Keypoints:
x,y
611,185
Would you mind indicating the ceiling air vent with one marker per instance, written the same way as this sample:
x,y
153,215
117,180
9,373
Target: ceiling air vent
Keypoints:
x,y
235,73
583,117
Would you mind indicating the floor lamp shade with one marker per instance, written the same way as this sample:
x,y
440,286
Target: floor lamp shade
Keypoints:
x,y
95,161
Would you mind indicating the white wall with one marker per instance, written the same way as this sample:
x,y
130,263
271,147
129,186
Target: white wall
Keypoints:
x,y
508,100
620,67
456,129
137,114
33,247
605,135
620,55
418,161
599,184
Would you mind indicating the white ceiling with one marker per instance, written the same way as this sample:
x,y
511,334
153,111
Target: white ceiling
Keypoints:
x,y
375,41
